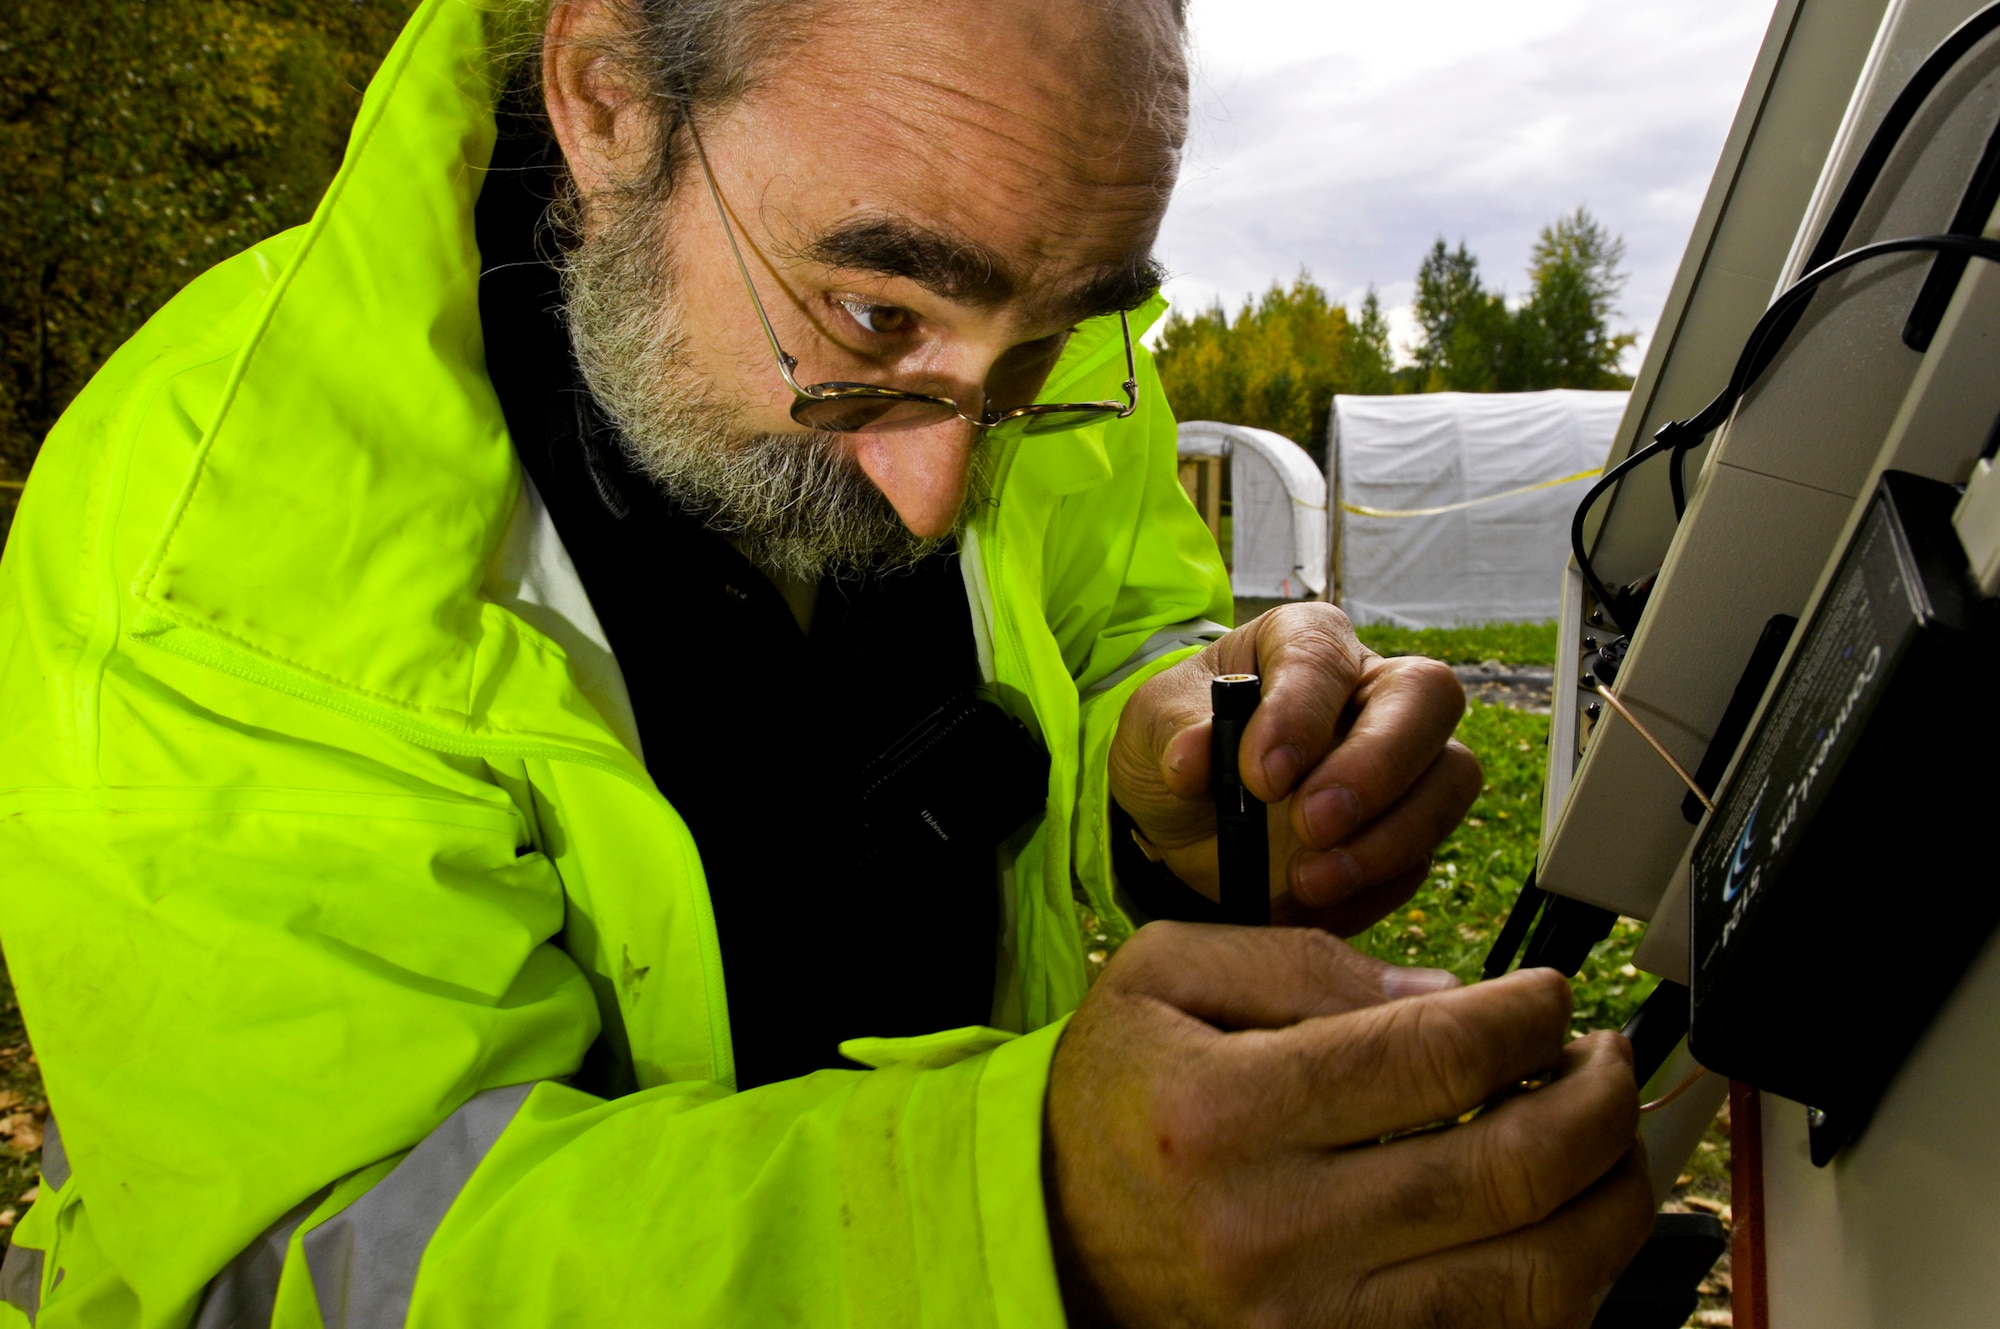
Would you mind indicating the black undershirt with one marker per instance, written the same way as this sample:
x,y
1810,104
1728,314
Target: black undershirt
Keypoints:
x,y
755,731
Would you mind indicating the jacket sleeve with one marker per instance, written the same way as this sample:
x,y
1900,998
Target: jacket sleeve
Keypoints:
x,y
315,1060
1172,598
308,1027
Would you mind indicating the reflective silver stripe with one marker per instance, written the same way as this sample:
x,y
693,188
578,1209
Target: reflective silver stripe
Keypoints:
x,y
245,1294
1194,632
364,1259
55,1161
21,1271
21,1280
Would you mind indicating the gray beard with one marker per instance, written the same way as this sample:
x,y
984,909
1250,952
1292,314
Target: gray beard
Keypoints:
x,y
797,505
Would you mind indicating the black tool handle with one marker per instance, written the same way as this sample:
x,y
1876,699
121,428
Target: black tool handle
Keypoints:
x,y
1242,831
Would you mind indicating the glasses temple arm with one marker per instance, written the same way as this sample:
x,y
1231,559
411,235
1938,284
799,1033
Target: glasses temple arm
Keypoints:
x,y
785,362
1131,365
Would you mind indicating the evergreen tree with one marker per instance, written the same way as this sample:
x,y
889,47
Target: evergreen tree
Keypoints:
x,y
1468,342
1371,358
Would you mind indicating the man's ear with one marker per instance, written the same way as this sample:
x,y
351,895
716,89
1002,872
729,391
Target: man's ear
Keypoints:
x,y
601,122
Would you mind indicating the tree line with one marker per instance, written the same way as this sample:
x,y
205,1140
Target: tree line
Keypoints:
x,y
1279,361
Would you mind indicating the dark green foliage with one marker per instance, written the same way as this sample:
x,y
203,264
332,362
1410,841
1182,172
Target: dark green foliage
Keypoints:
x,y
1371,360
1559,338
142,143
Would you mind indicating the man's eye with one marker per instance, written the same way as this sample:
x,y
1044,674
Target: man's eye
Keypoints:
x,y
883,320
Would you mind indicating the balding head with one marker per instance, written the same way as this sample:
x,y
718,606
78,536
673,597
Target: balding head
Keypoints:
x,y
1112,66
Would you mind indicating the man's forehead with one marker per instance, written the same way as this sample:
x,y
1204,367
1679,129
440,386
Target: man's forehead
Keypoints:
x,y
960,269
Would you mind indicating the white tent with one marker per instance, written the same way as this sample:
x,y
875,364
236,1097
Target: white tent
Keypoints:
x,y
1277,506
1495,555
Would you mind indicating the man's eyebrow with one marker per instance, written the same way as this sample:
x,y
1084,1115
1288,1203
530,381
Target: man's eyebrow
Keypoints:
x,y
961,270
942,264
1118,289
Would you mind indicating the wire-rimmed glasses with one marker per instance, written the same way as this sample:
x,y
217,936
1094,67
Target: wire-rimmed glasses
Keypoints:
x,y
847,408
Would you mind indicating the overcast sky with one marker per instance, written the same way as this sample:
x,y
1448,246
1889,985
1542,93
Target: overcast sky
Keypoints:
x,y
1348,136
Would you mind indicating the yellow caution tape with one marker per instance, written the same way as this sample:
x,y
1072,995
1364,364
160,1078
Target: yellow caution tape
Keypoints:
x,y
1361,510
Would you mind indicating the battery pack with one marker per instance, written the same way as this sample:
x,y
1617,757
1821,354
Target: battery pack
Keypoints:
x,y
1856,816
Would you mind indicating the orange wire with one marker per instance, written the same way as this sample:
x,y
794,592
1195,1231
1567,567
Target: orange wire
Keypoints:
x,y
1675,1092
1605,691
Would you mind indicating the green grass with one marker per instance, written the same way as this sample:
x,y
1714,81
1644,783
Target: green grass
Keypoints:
x,y
1451,921
1509,643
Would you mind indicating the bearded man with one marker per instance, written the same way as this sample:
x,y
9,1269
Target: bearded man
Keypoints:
x,y
461,656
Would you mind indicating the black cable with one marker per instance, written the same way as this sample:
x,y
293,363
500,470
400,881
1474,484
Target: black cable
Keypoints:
x,y
1749,364
1882,145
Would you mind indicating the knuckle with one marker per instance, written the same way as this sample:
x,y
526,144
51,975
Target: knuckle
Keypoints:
x,y
1510,1177
1317,630
1444,1071
1143,955
1321,954
1550,990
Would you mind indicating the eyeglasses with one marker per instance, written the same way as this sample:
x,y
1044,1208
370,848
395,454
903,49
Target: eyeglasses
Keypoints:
x,y
847,408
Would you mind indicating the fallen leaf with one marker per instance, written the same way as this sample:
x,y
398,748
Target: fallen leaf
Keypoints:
x,y
28,1195
9,1100
9,1217
23,1132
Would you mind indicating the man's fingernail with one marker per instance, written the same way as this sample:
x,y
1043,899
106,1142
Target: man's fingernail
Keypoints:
x,y
1332,814
1325,879
1282,765
1398,981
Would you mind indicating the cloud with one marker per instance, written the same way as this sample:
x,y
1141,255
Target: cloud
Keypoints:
x,y
1345,138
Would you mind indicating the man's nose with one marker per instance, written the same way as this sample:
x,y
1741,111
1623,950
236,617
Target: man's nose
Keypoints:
x,y
922,472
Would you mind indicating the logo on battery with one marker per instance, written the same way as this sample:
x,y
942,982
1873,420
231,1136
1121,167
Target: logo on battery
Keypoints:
x,y
1739,862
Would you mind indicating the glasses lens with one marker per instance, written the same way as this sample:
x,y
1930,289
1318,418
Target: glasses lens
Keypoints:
x,y
882,414
1057,421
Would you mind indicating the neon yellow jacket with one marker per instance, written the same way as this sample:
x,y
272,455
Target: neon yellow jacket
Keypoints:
x,y
319,874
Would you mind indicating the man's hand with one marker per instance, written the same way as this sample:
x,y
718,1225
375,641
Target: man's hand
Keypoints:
x,y
1353,752
1212,1118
